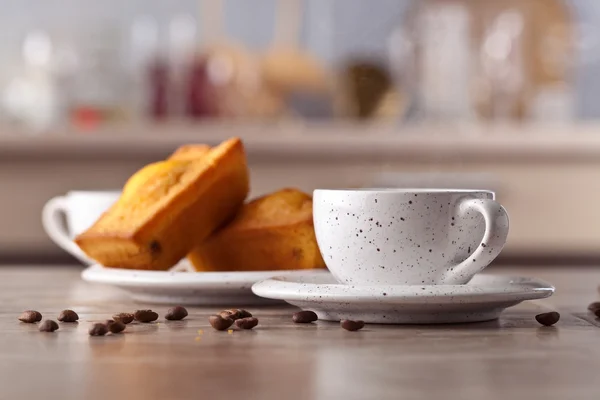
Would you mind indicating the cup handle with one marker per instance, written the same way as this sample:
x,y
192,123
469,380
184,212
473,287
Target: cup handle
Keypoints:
x,y
494,239
55,228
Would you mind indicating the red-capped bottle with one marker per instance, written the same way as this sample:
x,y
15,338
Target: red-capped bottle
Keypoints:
x,y
200,95
158,81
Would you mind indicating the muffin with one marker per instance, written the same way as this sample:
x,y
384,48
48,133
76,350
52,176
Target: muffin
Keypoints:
x,y
273,232
168,207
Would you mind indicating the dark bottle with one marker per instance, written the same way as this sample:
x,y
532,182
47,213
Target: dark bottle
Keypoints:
x,y
200,93
158,81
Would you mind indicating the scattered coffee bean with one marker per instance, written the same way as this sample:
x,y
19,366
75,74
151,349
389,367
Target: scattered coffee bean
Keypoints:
x,y
352,326
235,313
109,322
48,326
124,317
145,316
304,317
231,314
30,316
116,326
176,314
243,313
220,323
68,316
246,323
597,313
548,319
594,306
98,329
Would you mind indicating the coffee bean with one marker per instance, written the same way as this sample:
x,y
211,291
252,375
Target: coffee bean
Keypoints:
x,y
548,319
220,323
594,306
241,313
116,326
109,322
124,317
176,314
48,326
145,316
98,330
352,326
231,314
597,313
30,316
246,323
235,313
68,316
304,317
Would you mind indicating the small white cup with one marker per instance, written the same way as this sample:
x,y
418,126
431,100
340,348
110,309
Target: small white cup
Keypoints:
x,y
81,209
408,236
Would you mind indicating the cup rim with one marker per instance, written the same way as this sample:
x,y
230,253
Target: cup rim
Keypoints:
x,y
93,192
406,190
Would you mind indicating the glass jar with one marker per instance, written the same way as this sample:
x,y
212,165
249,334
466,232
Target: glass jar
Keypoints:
x,y
463,60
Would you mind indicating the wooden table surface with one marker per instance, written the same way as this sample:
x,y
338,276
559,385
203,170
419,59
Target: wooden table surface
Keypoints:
x,y
512,358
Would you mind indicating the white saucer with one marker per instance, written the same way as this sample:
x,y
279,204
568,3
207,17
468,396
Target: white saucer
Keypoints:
x,y
482,299
188,288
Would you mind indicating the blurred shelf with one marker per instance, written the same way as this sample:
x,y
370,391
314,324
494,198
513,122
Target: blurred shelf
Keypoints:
x,y
319,142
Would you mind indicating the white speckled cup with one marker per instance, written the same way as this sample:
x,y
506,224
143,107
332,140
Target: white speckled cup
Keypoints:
x,y
408,236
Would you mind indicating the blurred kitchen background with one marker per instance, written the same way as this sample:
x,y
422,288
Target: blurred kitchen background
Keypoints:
x,y
498,94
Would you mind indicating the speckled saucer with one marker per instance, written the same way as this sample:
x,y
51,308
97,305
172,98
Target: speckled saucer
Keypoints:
x,y
482,299
181,286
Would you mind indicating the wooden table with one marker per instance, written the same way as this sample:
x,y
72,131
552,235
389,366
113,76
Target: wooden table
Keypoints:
x,y
513,358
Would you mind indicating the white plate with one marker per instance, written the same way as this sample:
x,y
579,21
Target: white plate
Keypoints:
x,y
189,288
482,299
